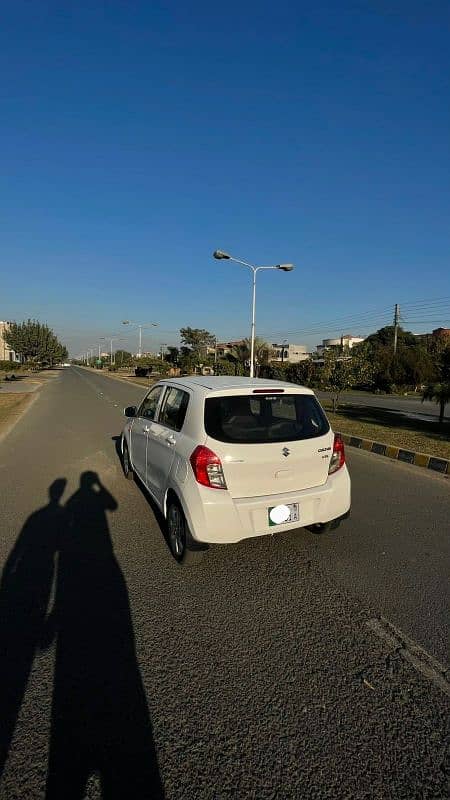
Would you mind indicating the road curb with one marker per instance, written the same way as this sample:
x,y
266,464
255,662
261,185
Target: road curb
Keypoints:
x,y
424,460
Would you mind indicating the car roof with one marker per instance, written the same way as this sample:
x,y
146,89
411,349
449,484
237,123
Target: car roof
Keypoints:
x,y
214,383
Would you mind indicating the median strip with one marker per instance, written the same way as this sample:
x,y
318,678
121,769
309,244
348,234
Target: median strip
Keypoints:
x,y
441,465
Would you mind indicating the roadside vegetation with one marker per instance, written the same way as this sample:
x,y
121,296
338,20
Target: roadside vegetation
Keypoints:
x,y
413,367
36,345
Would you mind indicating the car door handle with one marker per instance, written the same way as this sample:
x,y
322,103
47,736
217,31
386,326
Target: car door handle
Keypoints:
x,y
171,439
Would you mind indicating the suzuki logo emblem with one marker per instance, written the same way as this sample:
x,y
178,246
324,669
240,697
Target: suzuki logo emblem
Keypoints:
x,y
285,451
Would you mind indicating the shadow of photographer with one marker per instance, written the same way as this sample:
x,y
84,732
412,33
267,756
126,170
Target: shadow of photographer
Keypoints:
x,y
100,722
25,591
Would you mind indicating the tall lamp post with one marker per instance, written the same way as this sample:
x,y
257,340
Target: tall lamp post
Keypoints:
x,y
140,326
111,339
219,254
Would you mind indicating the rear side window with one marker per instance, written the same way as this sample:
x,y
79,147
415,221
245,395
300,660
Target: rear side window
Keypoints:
x,y
174,409
246,419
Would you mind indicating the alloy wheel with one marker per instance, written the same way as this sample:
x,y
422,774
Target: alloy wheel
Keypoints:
x,y
126,460
176,531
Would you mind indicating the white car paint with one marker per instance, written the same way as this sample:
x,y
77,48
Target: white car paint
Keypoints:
x,y
258,476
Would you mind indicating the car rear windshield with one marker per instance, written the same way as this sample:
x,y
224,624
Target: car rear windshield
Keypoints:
x,y
247,419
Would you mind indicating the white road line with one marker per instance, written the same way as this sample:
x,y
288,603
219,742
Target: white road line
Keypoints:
x,y
412,652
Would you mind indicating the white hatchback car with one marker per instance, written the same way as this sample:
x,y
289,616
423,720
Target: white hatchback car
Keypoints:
x,y
229,458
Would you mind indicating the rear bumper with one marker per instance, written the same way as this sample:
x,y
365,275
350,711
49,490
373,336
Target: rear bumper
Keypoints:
x,y
215,517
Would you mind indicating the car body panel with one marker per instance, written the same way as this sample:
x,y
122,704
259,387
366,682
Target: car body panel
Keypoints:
x,y
255,482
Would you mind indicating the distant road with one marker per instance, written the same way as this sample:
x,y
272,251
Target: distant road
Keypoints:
x,y
252,675
389,402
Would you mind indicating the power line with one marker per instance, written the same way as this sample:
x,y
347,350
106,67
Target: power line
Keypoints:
x,y
425,301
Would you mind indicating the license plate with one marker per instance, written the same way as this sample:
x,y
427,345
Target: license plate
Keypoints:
x,y
282,511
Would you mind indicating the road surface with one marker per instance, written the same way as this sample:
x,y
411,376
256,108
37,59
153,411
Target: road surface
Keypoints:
x,y
409,405
264,672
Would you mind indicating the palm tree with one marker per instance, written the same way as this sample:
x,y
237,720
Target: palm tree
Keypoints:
x,y
438,393
240,353
262,350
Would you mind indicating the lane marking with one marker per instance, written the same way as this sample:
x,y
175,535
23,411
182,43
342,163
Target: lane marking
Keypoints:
x,y
412,652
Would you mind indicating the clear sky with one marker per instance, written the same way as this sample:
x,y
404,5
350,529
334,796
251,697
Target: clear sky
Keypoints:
x,y
137,137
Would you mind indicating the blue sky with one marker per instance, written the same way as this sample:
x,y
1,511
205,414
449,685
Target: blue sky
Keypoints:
x,y
137,137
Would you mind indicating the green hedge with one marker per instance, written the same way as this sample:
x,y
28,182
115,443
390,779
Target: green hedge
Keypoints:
x,y
10,366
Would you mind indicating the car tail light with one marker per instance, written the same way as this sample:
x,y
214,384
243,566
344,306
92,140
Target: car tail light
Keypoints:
x,y
207,468
338,458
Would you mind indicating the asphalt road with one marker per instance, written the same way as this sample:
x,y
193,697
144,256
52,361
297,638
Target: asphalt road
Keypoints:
x,y
389,402
253,675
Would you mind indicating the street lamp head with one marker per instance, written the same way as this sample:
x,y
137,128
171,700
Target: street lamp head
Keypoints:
x,y
219,254
285,267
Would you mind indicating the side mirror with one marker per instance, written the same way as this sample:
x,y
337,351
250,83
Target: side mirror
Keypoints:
x,y
130,411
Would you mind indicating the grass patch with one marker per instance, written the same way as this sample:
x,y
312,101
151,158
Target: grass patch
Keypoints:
x,y
379,425
11,405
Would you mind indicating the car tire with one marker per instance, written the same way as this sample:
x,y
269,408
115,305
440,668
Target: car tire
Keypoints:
x,y
181,544
126,463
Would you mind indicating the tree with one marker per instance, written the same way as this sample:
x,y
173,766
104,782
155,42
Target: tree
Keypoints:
x,y
241,352
410,365
438,393
123,358
35,342
305,373
187,359
197,339
343,372
157,364
172,355
239,355
262,351
440,354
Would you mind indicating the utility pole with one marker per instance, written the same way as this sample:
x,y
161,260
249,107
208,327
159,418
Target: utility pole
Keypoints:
x,y
396,321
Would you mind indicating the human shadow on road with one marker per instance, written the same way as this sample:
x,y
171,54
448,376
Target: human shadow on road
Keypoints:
x,y
25,591
100,719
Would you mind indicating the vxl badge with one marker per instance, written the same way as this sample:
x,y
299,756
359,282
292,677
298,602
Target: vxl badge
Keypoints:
x,y
286,451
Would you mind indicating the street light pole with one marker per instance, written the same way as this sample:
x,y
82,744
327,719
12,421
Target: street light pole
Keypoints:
x,y
219,255
140,326
111,339
252,338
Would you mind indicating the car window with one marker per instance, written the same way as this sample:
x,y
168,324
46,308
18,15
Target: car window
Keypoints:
x,y
174,407
150,403
266,418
